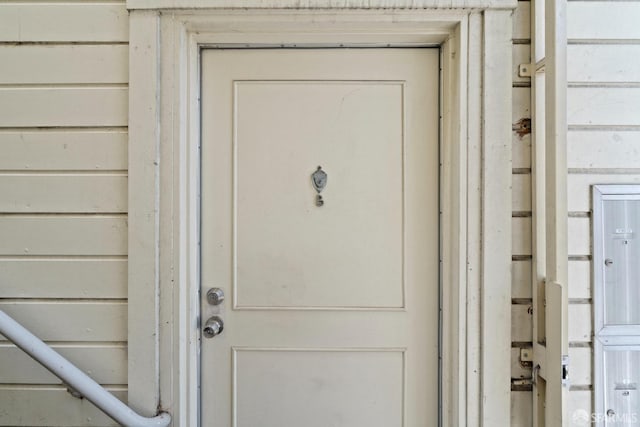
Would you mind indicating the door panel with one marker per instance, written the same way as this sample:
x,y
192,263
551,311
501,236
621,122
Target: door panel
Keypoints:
x,y
331,316
291,253
349,387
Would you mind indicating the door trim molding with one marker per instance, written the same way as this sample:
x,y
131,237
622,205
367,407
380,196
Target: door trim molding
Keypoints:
x,y
322,4
475,190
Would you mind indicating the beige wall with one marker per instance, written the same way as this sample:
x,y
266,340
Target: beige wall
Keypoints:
x,y
63,137
603,114
63,201
521,329
63,178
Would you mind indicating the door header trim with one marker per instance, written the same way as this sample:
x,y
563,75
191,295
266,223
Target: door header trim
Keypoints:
x,y
322,4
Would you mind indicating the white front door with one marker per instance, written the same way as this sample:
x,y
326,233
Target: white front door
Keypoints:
x,y
331,309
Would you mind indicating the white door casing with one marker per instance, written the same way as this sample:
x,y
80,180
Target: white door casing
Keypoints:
x,y
475,178
332,315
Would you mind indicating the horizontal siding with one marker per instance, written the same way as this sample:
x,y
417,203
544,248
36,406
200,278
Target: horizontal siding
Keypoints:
x,y
521,287
94,321
579,279
603,149
580,323
522,21
603,20
603,106
63,235
521,275
521,236
63,193
603,63
580,358
63,149
579,194
521,409
64,22
51,406
71,30
521,185
521,323
106,364
32,277
521,103
64,64
63,201
521,151
579,231
63,106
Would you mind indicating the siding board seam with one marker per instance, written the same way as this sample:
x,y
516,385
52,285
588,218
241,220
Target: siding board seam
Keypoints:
x,y
117,173
521,344
63,257
75,344
54,387
69,129
580,214
580,344
110,215
603,85
579,301
61,43
580,387
604,171
50,300
63,2
596,128
35,86
521,214
603,41
64,301
579,257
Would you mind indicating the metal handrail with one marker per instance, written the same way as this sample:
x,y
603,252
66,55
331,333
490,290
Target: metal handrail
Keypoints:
x,y
75,378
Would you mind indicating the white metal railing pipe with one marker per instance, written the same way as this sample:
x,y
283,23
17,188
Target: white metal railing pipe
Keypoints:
x,y
75,378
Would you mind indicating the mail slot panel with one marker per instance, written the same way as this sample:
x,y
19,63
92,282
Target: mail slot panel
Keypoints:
x,y
620,261
616,297
622,378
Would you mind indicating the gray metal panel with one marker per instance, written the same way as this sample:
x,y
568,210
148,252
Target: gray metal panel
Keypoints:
x,y
616,285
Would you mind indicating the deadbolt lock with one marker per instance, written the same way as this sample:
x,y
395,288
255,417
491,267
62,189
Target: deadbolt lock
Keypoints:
x,y
215,296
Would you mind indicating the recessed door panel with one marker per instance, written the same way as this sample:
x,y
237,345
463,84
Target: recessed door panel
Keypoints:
x,y
289,251
350,387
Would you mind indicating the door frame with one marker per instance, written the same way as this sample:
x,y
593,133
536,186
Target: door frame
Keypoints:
x,y
475,176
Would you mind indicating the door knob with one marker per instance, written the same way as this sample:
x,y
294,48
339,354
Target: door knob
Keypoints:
x,y
213,327
215,296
